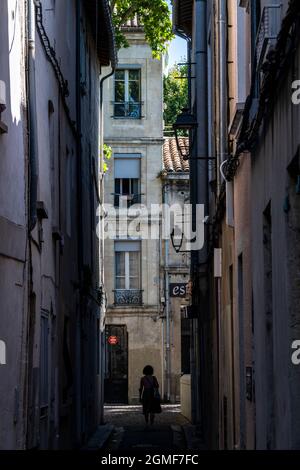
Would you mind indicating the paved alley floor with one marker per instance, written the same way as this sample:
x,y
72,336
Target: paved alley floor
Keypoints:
x,y
126,415
132,434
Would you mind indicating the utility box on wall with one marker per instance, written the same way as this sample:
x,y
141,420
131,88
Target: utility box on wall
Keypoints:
x,y
2,353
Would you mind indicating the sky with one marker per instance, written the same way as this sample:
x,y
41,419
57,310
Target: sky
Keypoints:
x,y
177,50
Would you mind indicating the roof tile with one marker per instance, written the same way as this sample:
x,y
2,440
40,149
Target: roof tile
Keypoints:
x,y
172,159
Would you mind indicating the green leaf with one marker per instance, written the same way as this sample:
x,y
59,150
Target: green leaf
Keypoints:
x,y
154,15
107,153
175,93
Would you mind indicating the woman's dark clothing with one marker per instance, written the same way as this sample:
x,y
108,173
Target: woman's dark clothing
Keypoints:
x,y
149,386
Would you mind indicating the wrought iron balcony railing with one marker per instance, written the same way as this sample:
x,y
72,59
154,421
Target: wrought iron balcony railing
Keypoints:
x,y
128,297
123,201
268,30
128,109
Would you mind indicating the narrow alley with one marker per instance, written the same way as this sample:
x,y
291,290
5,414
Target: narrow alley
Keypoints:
x,y
149,226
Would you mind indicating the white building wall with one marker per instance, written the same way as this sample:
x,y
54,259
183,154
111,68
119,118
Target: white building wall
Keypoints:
x,y
13,246
73,402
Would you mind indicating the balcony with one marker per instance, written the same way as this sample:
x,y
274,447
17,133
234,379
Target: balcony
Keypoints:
x,y
268,30
127,110
125,201
128,297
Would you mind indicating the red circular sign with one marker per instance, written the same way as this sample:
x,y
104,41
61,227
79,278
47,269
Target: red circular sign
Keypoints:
x,y
113,340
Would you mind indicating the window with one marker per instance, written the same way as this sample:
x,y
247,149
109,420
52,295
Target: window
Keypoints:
x,y
127,265
127,179
127,272
127,102
126,191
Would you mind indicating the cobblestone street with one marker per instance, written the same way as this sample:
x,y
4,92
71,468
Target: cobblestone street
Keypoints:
x,y
131,432
123,415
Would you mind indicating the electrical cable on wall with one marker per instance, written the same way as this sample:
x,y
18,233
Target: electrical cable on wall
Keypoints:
x,y
15,21
221,169
51,55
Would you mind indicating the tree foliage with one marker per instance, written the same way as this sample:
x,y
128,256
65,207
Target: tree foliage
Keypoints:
x,y
175,94
107,151
154,15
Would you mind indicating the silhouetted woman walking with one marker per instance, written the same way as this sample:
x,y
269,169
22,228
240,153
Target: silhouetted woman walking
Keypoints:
x,y
149,394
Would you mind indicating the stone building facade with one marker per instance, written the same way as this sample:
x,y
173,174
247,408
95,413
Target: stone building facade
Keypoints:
x,y
134,130
143,324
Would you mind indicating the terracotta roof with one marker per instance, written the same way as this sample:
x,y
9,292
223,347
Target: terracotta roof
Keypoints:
x,y
172,160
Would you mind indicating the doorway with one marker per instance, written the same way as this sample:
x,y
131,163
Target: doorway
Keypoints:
x,y
116,365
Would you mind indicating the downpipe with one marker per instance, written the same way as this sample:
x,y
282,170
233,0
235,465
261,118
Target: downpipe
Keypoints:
x,y
101,240
160,290
31,84
79,393
201,294
101,181
167,308
222,31
223,126
193,186
32,202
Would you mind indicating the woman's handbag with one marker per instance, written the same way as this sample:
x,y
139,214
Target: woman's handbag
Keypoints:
x,y
157,407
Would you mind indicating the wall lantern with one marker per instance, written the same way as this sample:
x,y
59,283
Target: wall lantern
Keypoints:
x,y
177,243
184,122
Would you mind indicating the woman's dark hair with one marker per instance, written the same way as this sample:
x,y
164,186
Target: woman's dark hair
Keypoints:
x,y
148,370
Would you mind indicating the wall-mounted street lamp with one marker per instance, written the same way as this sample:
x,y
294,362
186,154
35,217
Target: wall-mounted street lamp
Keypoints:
x,y
185,122
177,243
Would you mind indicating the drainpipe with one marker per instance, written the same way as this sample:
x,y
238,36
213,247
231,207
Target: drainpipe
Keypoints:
x,y
79,324
78,120
193,190
101,239
160,290
33,170
223,126
222,31
101,192
194,259
201,294
196,176
32,215
167,307
222,157
220,357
